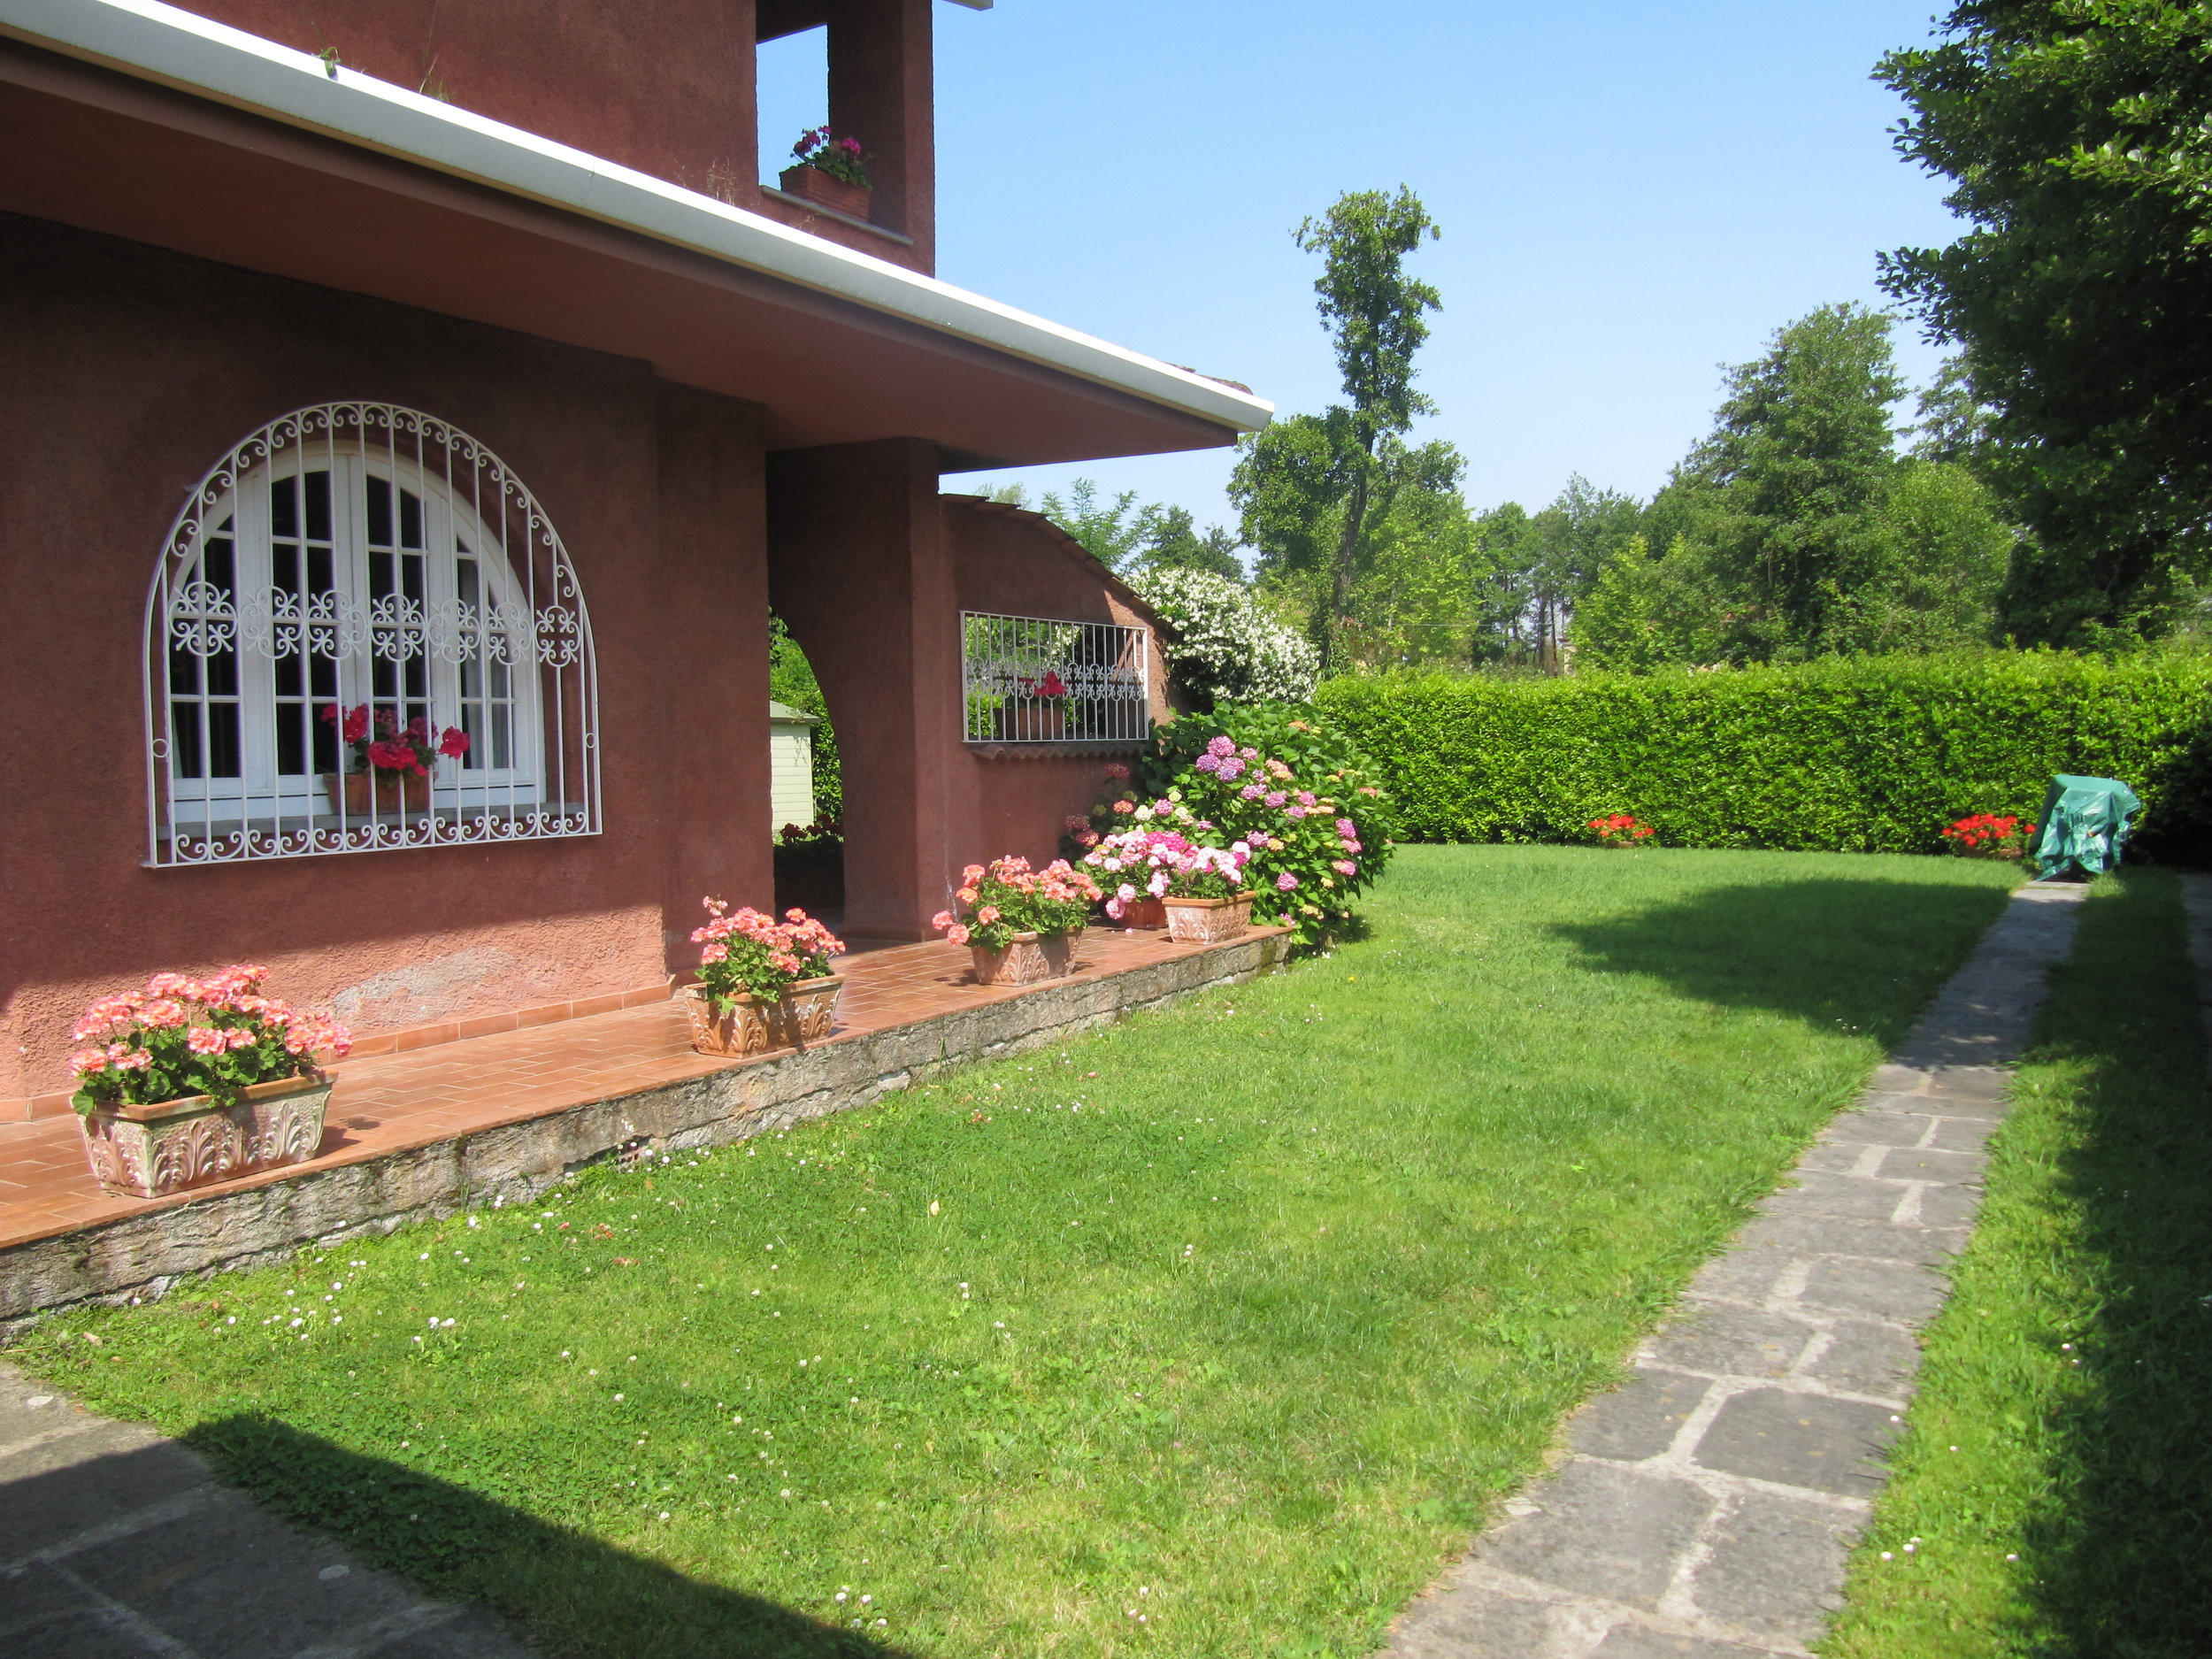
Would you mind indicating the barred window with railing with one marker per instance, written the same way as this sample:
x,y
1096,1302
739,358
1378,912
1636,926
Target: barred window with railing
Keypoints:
x,y
1034,679
352,555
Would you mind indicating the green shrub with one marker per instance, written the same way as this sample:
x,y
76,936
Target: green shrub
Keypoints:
x,y
1862,755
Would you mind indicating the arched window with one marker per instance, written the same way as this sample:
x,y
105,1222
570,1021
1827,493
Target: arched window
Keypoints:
x,y
363,556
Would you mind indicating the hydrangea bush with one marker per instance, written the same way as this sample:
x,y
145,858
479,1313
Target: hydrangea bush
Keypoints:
x,y
1010,898
181,1037
1274,778
744,950
1224,648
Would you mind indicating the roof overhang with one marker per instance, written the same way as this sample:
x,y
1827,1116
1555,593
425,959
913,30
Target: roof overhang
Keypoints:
x,y
137,119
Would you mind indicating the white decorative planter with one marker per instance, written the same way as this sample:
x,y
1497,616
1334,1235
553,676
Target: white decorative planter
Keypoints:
x,y
150,1151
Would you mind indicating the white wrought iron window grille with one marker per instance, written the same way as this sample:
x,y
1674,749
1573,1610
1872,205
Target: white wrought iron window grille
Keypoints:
x,y
1034,679
364,557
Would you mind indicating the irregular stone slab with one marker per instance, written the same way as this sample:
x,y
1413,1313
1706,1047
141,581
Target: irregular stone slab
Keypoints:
x,y
1861,1357
1604,1531
1897,1290
1636,1641
1732,1342
1932,1164
1800,1439
1639,1418
1828,1236
1774,1565
1850,1197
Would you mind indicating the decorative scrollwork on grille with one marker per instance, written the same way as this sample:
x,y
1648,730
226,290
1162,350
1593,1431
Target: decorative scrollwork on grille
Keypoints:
x,y
236,745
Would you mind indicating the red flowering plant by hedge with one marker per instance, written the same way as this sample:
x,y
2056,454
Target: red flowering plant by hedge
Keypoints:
x,y
1010,898
179,1037
1990,835
823,151
743,950
1621,829
380,743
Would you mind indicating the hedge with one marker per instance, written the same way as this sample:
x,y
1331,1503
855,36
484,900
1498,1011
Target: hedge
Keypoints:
x,y
1865,754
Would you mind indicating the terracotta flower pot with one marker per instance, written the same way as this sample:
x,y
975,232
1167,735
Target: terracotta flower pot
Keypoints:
x,y
147,1151
806,1012
1144,912
401,793
1027,959
824,190
1207,921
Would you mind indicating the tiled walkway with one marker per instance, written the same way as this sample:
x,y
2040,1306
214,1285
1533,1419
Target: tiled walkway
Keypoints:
x,y
1708,1505
117,1544
396,1102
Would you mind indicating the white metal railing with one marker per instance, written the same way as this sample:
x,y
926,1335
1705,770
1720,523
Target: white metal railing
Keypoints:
x,y
1034,679
364,556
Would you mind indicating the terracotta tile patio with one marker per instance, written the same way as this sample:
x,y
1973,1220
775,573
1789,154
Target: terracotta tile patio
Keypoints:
x,y
391,1102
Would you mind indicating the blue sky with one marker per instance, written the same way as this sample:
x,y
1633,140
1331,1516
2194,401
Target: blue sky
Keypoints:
x,y
1631,194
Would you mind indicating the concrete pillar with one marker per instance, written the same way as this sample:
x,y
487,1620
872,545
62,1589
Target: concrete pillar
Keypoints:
x,y
712,661
861,571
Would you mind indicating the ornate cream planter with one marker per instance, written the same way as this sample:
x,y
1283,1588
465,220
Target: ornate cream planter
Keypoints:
x,y
1026,960
1208,921
806,1012
149,1151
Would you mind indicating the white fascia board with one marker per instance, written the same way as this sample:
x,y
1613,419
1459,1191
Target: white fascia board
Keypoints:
x,y
157,42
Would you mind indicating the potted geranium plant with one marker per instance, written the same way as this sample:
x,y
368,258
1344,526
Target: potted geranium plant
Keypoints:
x,y
826,170
194,1080
1135,868
1206,899
391,762
1017,923
763,984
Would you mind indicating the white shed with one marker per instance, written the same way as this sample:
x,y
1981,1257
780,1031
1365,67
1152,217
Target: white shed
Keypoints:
x,y
790,766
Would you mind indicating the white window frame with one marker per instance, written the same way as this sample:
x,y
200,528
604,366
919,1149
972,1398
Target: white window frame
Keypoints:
x,y
528,627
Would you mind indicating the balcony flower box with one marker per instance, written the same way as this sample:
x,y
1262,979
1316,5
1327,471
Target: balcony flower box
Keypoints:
x,y
839,196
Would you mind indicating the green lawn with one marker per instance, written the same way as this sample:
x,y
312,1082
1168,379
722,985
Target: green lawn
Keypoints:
x,y
1214,1332
2055,1480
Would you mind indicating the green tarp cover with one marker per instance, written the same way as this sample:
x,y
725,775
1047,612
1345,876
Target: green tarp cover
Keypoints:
x,y
2085,822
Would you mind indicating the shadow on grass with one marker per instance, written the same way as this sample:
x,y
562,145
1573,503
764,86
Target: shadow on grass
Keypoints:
x,y
2120,1544
1859,957
571,1594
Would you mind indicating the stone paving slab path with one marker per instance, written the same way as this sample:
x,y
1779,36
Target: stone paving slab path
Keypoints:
x,y
1706,1508
116,1543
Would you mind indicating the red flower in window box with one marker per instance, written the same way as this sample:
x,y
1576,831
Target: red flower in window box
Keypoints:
x,y
391,762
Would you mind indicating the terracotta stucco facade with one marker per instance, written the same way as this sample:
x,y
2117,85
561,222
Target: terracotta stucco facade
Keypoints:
x,y
708,431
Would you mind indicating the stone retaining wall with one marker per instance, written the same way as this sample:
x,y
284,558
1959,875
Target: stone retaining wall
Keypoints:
x,y
145,1255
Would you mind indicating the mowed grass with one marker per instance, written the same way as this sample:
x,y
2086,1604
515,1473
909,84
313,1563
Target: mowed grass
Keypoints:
x,y
2056,1479
1216,1331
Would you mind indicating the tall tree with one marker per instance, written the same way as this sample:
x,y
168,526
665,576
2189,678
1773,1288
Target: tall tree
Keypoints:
x,y
1111,532
1344,457
1175,544
1801,449
2080,139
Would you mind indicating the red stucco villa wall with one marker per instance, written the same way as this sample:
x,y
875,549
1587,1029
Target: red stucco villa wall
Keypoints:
x,y
130,372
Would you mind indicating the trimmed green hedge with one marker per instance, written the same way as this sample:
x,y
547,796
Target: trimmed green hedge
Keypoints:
x,y
1865,754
